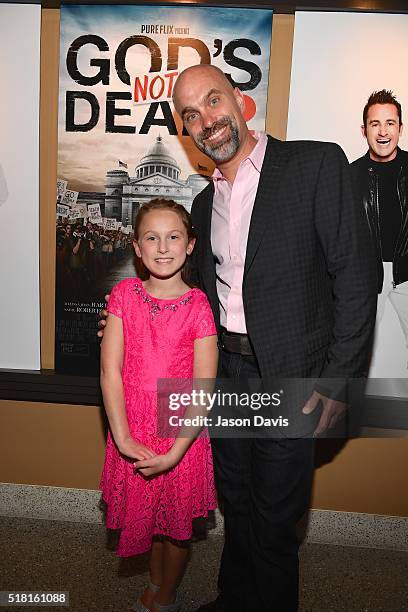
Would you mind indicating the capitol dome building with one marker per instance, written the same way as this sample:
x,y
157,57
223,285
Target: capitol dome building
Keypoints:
x,y
156,176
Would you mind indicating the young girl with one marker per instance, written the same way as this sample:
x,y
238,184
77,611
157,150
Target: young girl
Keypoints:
x,y
157,328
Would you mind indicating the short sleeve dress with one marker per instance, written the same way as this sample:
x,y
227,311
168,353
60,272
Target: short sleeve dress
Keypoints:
x,y
159,339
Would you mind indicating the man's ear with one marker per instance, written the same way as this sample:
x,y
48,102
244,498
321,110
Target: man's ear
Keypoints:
x,y
363,131
239,96
401,129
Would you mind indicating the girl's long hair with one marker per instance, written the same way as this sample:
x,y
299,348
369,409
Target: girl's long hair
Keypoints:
x,y
163,204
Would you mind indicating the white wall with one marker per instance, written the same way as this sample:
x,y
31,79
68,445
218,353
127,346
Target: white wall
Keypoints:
x,y
19,159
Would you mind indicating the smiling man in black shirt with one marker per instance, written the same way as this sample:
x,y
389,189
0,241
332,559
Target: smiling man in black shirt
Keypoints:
x,y
381,178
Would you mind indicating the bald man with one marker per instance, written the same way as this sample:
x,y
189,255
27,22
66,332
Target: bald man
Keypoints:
x,y
284,257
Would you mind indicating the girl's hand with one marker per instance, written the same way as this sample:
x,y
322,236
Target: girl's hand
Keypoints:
x,y
159,463
135,450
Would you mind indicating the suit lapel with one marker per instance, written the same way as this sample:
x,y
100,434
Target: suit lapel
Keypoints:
x,y
207,265
207,262
266,197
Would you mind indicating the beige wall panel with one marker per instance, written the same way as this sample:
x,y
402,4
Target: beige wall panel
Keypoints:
x,y
48,176
63,445
367,475
59,445
279,75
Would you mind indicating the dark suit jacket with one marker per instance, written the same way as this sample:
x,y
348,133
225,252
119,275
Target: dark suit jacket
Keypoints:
x,y
309,287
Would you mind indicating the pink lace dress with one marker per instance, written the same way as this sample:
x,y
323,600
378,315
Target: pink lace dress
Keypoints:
x,y
159,343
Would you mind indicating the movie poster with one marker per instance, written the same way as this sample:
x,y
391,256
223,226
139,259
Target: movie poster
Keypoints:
x,y
338,61
122,144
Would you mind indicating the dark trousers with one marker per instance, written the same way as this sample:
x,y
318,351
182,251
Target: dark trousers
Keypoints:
x,y
265,487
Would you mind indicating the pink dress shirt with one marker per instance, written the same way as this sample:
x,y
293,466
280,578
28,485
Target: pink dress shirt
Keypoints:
x,y
231,216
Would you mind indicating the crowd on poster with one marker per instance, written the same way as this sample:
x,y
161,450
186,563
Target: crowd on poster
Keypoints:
x,y
88,245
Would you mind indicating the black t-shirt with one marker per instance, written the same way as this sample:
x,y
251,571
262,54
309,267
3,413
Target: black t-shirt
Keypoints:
x,y
389,205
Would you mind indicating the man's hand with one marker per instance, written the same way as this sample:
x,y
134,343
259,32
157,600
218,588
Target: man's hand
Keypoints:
x,y
103,316
159,463
333,410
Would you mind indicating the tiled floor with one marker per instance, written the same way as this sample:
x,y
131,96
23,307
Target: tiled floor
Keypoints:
x,y
74,557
